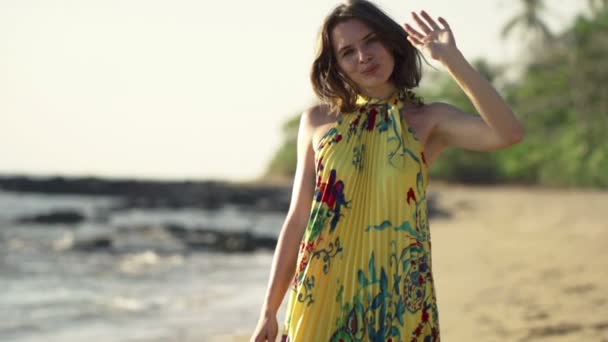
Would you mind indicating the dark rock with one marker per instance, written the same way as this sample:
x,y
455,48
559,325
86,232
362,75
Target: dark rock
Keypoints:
x,y
237,242
93,244
269,243
57,217
169,239
217,240
160,194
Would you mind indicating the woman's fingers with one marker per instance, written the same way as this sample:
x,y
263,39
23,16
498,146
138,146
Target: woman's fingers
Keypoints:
x,y
430,20
267,337
266,332
445,24
423,26
414,41
413,33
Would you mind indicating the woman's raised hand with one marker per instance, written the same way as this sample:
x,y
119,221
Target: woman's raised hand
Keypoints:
x,y
435,41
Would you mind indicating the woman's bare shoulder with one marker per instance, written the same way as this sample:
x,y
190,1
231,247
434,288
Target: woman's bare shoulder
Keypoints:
x,y
320,109
319,114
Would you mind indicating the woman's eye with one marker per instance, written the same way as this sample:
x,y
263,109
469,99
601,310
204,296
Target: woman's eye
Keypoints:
x,y
346,53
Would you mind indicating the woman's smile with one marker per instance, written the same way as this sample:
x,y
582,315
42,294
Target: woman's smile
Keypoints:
x,y
370,70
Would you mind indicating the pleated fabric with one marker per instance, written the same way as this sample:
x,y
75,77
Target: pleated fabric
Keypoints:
x,y
364,268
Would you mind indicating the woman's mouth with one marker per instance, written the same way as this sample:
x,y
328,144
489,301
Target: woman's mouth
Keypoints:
x,y
371,70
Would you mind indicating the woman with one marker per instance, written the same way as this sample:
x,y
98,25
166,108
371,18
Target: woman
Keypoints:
x,y
355,249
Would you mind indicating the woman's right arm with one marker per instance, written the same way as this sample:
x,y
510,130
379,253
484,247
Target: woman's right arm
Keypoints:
x,y
286,252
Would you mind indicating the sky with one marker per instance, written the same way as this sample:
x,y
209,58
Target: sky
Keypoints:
x,y
182,89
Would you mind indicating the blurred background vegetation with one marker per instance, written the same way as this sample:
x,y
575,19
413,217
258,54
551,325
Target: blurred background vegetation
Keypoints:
x,y
560,94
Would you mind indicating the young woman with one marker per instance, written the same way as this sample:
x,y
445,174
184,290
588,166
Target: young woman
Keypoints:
x,y
355,248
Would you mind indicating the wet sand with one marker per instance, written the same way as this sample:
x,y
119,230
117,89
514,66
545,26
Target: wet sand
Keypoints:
x,y
515,264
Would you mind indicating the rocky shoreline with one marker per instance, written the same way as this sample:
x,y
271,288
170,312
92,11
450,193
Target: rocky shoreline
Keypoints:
x,y
160,194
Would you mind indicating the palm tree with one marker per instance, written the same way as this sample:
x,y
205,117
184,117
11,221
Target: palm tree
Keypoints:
x,y
597,5
529,20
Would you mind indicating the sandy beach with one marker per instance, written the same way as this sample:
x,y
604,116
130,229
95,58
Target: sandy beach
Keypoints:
x,y
512,264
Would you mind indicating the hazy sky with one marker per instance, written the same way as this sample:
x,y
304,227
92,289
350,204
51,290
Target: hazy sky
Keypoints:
x,y
180,89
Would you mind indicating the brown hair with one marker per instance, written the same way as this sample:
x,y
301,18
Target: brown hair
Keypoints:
x,y
334,88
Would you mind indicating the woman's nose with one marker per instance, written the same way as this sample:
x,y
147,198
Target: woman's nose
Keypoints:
x,y
364,55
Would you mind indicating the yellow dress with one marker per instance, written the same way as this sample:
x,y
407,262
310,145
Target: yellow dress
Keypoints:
x,y
364,265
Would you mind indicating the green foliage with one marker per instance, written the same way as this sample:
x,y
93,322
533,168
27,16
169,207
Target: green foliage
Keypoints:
x,y
457,165
283,164
563,102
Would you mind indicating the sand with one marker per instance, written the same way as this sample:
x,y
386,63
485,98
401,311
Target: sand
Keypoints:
x,y
517,264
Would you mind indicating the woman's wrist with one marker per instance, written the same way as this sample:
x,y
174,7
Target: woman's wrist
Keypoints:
x,y
453,60
268,311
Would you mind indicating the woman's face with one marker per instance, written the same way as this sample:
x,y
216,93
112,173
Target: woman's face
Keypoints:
x,y
362,57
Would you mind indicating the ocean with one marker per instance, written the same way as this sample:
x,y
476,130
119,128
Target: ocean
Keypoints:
x,y
148,285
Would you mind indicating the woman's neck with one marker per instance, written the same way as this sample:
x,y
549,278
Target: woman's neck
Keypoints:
x,y
382,92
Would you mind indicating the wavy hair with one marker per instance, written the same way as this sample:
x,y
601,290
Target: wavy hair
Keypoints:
x,y
331,85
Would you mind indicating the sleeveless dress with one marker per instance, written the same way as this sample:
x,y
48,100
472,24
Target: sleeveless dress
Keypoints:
x,y
364,270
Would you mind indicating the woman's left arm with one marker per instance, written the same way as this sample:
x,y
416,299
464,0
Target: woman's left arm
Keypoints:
x,y
496,127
